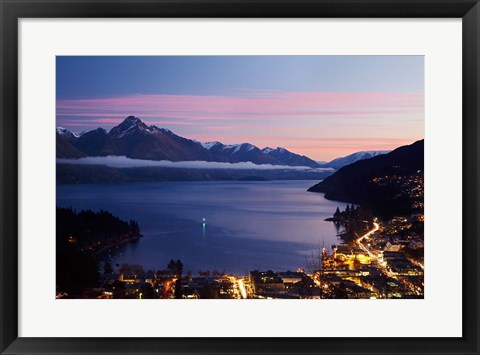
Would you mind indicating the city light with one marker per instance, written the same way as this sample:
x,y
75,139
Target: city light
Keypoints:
x,y
241,286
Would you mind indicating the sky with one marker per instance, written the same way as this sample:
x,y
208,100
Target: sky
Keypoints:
x,y
323,107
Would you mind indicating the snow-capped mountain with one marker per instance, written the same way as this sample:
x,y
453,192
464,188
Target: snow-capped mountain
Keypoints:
x,y
209,145
288,158
235,153
129,126
135,139
132,125
352,158
249,152
66,134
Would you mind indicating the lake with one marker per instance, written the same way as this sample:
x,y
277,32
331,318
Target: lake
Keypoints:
x,y
248,225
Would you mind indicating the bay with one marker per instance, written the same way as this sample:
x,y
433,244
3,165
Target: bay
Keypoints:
x,y
231,226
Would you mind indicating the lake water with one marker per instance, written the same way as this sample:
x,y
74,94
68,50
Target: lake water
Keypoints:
x,y
248,225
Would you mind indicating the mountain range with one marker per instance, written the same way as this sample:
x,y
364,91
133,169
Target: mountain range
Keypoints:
x,y
135,139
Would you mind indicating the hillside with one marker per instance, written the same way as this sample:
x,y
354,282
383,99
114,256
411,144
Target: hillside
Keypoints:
x,y
383,183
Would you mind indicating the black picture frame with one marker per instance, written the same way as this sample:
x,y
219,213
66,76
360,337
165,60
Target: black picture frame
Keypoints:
x,y
12,10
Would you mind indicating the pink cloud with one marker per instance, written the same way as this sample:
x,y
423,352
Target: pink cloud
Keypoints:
x,y
322,125
270,105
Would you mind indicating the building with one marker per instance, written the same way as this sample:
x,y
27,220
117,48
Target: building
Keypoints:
x,y
266,282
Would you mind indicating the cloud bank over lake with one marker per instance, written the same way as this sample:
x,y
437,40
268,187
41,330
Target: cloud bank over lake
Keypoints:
x,y
125,162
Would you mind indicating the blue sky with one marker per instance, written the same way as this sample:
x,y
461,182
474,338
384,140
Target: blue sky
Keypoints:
x,y
106,76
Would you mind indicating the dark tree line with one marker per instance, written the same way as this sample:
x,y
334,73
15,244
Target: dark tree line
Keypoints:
x,y
77,267
356,220
352,213
86,227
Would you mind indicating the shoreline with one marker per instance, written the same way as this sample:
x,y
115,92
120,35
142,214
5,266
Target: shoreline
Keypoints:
x,y
117,244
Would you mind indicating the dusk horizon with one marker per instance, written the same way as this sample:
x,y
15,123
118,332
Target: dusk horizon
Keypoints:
x,y
320,107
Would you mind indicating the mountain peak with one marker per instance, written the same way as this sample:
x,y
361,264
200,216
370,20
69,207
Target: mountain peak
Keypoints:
x,y
132,121
61,130
354,157
235,148
128,125
289,158
268,150
67,134
135,139
208,145
247,145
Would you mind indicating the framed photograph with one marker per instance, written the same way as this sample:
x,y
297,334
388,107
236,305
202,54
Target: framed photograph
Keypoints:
x,y
239,177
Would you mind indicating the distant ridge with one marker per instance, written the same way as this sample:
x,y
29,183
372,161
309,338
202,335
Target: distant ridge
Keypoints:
x,y
289,158
355,182
352,158
135,139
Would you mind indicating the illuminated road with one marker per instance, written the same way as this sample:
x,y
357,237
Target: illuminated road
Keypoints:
x,y
168,287
376,227
384,270
418,263
241,286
